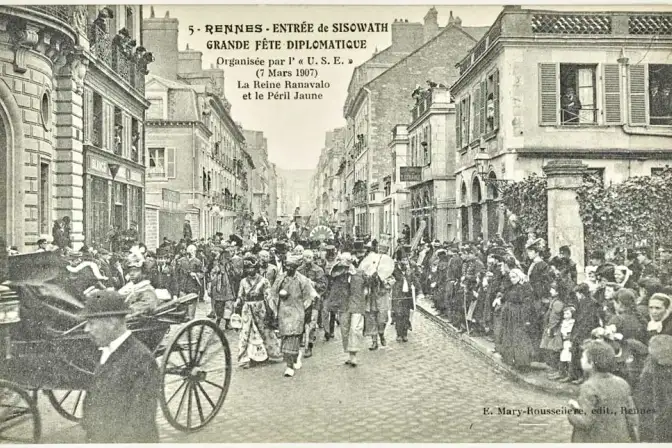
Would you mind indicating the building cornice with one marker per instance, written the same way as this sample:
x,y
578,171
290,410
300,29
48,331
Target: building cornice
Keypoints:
x,y
607,153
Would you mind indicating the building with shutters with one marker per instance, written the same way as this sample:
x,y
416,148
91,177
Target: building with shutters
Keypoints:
x,y
197,167
544,85
431,137
379,97
71,121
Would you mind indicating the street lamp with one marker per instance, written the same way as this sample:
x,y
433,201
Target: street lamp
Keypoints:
x,y
482,162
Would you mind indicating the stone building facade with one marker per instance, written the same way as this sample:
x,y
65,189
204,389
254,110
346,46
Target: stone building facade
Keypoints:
x,y
431,137
53,59
325,182
263,182
196,161
379,97
515,114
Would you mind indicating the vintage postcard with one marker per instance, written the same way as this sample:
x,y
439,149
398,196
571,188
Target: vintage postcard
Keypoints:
x,y
335,223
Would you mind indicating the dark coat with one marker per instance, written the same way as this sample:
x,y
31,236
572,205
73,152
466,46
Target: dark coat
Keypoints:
x,y
606,391
121,403
587,319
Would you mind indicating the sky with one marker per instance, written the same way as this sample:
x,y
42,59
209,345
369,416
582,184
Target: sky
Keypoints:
x,y
295,130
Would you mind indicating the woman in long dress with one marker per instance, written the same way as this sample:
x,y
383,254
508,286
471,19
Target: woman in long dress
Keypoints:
x,y
258,341
517,347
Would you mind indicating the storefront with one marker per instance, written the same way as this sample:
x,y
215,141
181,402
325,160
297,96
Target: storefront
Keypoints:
x,y
113,196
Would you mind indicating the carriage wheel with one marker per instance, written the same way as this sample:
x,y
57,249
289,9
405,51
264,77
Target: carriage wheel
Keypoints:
x,y
19,418
196,370
68,403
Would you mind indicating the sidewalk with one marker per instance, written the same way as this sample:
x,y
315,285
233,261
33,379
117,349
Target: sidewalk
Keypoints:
x,y
483,347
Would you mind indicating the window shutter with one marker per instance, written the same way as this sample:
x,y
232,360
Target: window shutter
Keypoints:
x,y
170,163
429,143
495,99
612,94
88,115
483,102
477,114
458,122
141,143
467,114
548,94
638,95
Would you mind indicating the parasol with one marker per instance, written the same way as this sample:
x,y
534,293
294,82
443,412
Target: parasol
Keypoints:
x,y
321,233
378,263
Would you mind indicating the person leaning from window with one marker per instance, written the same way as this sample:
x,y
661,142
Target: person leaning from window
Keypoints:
x,y
570,107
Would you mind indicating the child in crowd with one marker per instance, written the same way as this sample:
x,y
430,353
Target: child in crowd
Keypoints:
x,y
566,354
604,400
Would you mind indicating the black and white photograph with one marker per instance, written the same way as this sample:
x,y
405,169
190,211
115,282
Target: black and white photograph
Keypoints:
x,y
335,223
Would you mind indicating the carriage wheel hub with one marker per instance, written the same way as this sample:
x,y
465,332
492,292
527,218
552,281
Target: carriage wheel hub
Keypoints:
x,y
197,374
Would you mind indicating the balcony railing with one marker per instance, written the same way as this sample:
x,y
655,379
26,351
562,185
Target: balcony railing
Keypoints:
x,y
130,66
64,13
536,23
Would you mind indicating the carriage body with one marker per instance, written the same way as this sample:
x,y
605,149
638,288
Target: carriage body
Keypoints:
x,y
47,349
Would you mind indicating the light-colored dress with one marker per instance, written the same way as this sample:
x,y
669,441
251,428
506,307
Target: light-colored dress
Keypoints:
x,y
257,341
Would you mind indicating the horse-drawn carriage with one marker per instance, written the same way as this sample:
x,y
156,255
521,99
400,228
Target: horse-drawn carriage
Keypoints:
x,y
43,347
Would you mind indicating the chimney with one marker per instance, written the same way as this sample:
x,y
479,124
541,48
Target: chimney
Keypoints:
x,y
159,36
456,21
431,26
406,37
190,62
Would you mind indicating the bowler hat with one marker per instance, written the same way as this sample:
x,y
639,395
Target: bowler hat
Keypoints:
x,y
106,303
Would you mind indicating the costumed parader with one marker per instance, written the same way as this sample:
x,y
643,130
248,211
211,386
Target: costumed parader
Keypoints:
x,y
139,294
295,294
319,281
268,270
258,341
222,290
353,307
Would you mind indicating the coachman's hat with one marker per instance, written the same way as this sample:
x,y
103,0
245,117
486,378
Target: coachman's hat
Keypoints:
x,y
107,303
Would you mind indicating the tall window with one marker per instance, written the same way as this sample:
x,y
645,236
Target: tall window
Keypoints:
x,y
578,96
97,137
660,99
118,132
464,117
43,198
157,162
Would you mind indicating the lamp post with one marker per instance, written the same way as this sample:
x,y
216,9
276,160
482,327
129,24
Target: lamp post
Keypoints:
x,y
482,162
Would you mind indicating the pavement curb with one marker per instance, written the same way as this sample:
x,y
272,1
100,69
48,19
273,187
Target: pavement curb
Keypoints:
x,y
489,357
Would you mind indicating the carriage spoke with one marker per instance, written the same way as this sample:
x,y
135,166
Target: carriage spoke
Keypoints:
x,y
64,397
214,384
205,394
198,405
182,356
176,392
184,394
190,342
189,407
198,346
208,344
14,421
79,399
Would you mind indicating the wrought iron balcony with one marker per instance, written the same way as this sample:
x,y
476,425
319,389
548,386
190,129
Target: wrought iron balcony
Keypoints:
x,y
129,65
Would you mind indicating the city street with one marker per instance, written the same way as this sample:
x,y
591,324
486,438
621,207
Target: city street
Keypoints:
x,y
431,389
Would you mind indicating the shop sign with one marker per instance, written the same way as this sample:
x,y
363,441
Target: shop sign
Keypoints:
x,y
136,176
98,165
410,173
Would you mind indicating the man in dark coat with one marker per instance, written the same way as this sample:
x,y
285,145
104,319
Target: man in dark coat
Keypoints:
x,y
121,403
186,230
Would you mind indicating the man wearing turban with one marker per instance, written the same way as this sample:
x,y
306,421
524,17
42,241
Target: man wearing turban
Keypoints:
x,y
295,294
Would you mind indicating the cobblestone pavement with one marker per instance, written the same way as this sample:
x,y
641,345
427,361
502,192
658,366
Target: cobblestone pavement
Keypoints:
x,y
430,389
